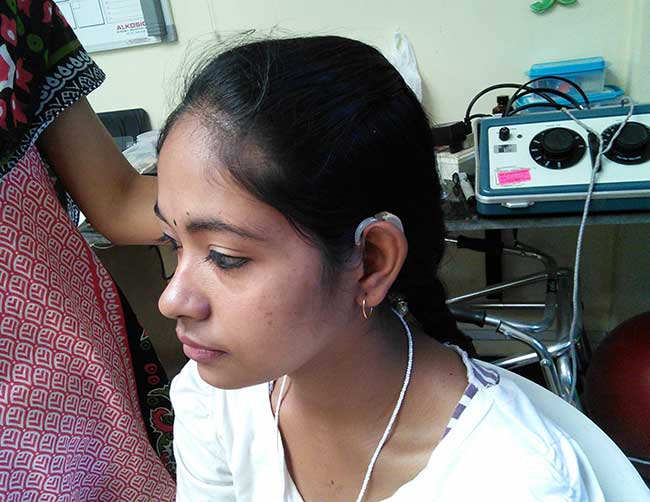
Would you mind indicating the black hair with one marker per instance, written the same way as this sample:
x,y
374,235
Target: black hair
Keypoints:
x,y
326,131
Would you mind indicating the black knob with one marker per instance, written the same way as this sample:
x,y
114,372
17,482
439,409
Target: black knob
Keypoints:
x,y
633,137
558,143
631,146
504,134
557,148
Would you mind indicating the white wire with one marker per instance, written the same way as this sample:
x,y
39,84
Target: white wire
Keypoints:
x,y
278,437
389,427
638,461
400,399
576,268
277,405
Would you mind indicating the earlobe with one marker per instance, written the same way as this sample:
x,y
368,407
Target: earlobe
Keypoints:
x,y
384,251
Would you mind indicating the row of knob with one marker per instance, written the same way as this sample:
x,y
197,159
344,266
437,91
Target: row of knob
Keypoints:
x,y
560,148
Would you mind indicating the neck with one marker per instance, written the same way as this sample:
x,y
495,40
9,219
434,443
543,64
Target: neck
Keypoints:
x,y
358,377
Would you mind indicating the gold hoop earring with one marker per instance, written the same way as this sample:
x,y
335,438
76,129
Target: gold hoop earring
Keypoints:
x,y
366,316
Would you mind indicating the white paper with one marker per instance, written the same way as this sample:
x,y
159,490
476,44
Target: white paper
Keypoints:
x,y
112,24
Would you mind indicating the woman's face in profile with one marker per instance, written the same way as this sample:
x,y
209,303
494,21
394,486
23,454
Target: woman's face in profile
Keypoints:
x,y
247,293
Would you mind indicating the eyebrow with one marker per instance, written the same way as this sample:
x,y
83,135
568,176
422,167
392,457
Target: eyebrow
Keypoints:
x,y
213,225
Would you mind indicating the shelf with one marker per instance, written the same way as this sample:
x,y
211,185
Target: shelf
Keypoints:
x,y
470,220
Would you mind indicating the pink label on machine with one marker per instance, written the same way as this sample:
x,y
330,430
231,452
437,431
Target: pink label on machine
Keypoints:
x,y
513,176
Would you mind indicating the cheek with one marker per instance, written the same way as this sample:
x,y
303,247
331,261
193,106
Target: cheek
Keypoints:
x,y
275,303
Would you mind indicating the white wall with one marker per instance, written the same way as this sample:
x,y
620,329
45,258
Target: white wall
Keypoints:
x,y
462,46
638,48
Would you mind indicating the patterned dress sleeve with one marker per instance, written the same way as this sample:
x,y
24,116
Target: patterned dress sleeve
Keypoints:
x,y
43,70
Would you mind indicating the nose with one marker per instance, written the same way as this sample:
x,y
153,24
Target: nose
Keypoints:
x,y
183,297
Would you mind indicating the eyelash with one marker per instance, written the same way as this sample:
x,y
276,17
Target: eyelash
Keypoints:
x,y
226,262
222,261
172,242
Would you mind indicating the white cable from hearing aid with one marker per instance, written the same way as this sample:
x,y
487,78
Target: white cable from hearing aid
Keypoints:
x,y
383,216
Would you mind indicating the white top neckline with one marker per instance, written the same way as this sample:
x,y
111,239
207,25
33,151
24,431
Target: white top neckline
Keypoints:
x,y
291,490
499,448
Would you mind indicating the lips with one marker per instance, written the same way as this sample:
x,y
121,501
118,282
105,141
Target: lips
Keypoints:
x,y
186,340
196,352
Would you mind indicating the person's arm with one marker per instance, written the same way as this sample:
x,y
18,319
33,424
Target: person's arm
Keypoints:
x,y
117,201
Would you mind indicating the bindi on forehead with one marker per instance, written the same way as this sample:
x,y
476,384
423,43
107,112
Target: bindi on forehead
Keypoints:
x,y
214,224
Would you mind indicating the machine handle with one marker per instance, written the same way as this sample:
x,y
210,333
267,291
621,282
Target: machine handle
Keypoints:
x,y
471,316
482,245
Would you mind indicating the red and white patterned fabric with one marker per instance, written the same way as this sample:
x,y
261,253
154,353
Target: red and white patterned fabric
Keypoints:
x,y
71,428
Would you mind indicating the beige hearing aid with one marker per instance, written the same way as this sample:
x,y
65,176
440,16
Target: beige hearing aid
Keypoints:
x,y
383,216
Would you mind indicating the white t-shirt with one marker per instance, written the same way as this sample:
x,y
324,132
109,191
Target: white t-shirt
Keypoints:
x,y
497,447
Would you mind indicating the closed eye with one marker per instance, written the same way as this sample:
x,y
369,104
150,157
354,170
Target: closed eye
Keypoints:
x,y
226,262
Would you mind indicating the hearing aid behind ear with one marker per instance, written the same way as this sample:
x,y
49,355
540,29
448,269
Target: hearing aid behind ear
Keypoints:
x,y
383,216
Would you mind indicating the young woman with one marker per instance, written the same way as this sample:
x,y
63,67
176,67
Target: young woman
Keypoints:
x,y
297,182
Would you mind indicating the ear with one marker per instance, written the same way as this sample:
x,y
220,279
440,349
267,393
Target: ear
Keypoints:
x,y
384,251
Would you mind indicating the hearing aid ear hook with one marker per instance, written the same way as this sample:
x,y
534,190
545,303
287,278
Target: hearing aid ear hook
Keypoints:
x,y
383,216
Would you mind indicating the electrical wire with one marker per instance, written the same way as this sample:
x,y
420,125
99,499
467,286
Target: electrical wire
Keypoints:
x,y
516,95
542,92
538,91
576,269
568,81
479,115
494,88
533,105
638,461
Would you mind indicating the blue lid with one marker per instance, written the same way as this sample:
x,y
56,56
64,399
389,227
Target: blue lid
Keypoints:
x,y
610,92
567,66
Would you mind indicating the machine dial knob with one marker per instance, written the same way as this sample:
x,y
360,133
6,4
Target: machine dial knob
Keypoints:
x,y
558,143
557,148
631,146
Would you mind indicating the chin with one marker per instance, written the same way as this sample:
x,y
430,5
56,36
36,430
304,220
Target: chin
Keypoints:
x,y
227,381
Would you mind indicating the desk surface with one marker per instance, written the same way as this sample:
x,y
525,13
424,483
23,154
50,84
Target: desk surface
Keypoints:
x,y
476,222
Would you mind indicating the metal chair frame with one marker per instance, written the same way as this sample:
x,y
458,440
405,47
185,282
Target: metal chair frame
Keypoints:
x,y
554,358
